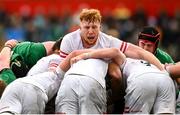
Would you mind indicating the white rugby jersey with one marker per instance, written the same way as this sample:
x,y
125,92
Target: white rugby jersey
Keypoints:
x,y
44,63
93,68
136,67
72,41
48,82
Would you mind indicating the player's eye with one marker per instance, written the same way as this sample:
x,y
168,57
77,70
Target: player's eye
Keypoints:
x,y
149,45
94,27
86,27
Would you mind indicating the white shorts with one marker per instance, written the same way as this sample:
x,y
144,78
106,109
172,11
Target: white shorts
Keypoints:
x,y
150,91
80,95
23,98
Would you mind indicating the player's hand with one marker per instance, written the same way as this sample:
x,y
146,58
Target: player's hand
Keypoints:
x,y
80,57
167,65
11,43
75,59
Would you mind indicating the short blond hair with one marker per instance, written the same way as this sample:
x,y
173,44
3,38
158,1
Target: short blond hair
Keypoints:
x,y
90,15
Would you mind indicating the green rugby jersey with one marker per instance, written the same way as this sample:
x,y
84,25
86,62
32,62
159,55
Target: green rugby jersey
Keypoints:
x,y
30,52
27,52
163,56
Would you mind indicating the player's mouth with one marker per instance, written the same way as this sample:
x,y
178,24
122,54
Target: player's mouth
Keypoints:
x,y
91,37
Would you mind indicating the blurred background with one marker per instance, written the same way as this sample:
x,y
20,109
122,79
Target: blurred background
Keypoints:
x,y
42,20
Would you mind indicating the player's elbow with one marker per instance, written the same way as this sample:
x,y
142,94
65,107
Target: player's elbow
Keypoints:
x,y
115,75
115,52
114,72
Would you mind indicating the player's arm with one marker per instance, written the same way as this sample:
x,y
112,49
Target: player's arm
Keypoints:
x,y
136,52
66,62
173,69
111,53
5,54
117,57
66,46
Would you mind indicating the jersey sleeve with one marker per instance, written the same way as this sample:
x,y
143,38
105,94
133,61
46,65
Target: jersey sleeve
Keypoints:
x,y
65,47
121,45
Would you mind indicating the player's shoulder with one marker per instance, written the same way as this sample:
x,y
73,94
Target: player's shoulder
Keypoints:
x,y
73,37
163,56
107,37
162,52
104,35
25,43
72,34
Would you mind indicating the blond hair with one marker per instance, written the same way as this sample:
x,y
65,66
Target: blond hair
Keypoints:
x,y
90,15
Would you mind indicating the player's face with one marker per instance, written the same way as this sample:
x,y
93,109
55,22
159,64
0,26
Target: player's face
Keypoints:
x,y
147,45
89,31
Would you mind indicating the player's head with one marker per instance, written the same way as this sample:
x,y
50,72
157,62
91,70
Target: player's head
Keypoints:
x,y
148,39
90,15
90,24
56,46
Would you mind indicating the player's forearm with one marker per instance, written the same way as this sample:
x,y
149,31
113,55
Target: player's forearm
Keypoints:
x,y
65,64
174,70
104,53
5,56
108,53
152,59
112,53
114,71
136,52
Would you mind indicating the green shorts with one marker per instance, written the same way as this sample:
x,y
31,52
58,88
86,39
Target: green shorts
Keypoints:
x,y
7,75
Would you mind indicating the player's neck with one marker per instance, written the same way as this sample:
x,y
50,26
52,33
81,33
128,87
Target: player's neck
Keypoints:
x,y
86,45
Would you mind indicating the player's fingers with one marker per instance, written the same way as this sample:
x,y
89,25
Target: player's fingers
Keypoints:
x,y
11,42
